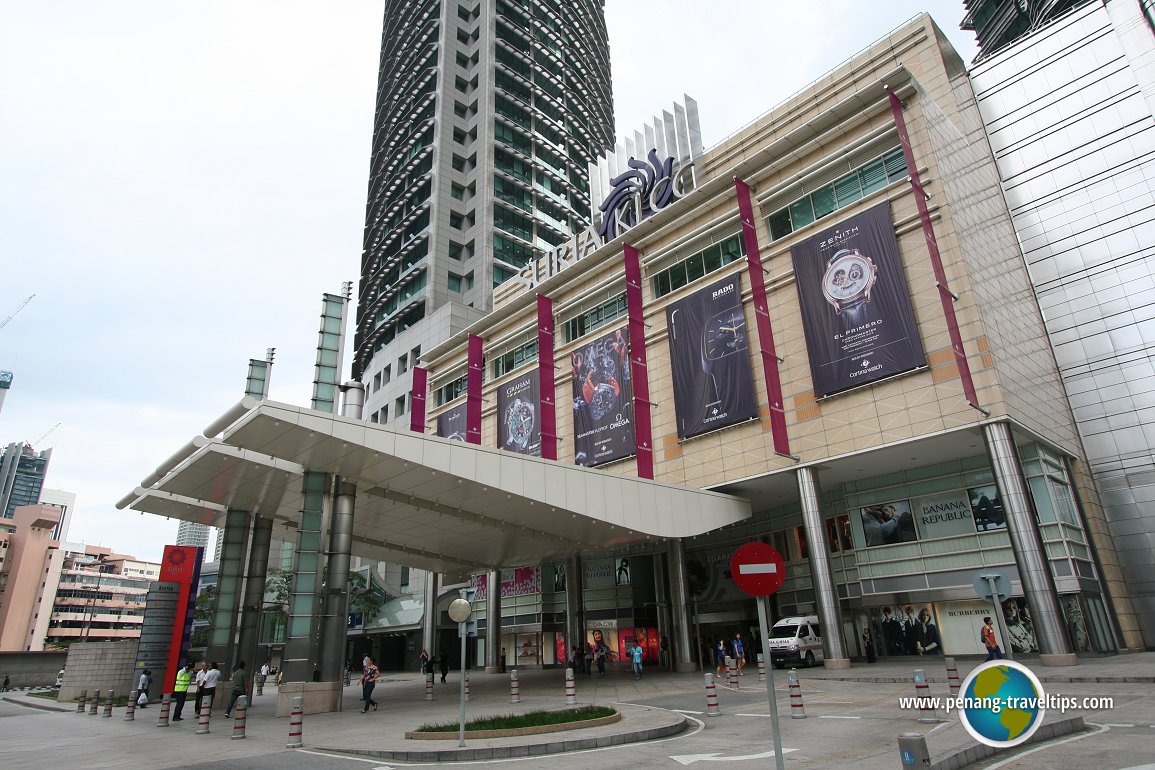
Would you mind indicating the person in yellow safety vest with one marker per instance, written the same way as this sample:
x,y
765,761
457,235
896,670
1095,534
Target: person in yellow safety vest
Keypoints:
x,y
180,690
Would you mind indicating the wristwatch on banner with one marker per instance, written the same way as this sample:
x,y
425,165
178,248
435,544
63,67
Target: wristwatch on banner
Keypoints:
x,y
519,423
723,335
850,275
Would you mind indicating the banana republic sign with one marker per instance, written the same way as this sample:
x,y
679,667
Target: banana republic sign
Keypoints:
x,y
649,186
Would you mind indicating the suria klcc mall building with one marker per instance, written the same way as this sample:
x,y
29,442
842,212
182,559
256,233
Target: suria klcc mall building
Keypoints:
x,y
819,334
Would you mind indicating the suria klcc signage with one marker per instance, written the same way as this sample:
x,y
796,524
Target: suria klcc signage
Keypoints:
x,y
649,186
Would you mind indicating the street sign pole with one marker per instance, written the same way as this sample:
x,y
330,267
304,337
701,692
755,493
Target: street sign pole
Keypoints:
x,y
764,627
459,611
461,709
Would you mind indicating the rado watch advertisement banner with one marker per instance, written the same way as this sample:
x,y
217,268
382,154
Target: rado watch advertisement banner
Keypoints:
x,y
713,387
518,429
451,423
856,310
603,401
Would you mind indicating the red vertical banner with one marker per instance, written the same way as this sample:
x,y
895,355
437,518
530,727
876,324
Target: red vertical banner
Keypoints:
x,y
417,400
475,375
545,377
945,295
762,316
181,564
643,433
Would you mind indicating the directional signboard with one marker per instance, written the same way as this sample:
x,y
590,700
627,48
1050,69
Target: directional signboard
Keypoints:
x,y
758,569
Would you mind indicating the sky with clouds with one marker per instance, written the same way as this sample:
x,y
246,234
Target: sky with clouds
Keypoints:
x,y
180,182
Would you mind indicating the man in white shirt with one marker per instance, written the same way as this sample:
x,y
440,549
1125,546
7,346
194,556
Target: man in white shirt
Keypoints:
x,y
202,671
208,686
264,672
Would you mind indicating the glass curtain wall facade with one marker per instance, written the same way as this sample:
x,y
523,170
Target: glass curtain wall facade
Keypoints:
x,y
488,115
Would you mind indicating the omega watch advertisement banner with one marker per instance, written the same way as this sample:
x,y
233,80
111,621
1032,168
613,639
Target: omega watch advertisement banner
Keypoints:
x,y
856,310
709,357
518,429
603,401
451,423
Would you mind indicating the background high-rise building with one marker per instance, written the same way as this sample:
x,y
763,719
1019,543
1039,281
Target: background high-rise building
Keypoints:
x,y
998,23
489,113
1070,113
191,533
66,502
22,471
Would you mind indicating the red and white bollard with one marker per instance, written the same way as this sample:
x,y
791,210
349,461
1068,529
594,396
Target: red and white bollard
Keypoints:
x,y
108,705
130,711
570,689
80,703
295,726
204,716
761,668
162,717
926,712
467,687
952,677
429,687
240,716
514,687
712,709
94,704
732,672
797,709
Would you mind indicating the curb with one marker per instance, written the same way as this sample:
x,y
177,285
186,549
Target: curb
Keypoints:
x,y
962,758
1052,679
37,706
523,750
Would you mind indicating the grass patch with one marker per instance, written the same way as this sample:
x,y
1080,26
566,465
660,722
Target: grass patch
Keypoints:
x,y
46,694
528,719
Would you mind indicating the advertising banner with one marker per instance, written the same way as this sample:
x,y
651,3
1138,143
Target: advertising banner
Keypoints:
x,y
943,515
987,507
856,311
708,575
888,523
451,423
518,581
603,401
709,359
909,629
518,428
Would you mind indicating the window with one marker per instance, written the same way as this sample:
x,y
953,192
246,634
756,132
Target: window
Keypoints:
x,y
403,364
452,390
595,317
515,358
454,282
501,275
399,406
386,374
843,191
698,265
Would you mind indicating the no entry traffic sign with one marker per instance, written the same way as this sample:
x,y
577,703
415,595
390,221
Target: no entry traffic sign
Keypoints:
x,y
758,569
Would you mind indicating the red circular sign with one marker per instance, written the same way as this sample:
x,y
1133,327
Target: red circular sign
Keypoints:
x,y
758,569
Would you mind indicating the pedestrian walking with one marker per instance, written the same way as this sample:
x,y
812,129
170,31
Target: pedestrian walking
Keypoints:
x,y
444,659
987,635
240,679
142,687
180,690
636,654
424,661
868,645
720,657
264,673
588,658
208,689
739,650
7,682
368,682
503,660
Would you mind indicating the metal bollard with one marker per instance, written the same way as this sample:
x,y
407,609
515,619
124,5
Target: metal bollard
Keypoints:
x,y
108,705
570,689
429,687
261,684
467,687
295,728
130,709
240,716
797,709
732,673
912,750
712,709
952,677
761,668
926,713
204,716
81,701
514,687
165,704
94,704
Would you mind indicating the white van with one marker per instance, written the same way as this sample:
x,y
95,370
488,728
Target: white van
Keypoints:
x,y
796,640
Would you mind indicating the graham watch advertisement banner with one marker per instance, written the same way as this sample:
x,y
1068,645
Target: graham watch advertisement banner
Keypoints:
x,y
856,311
451,423
518,429
603,401
709,357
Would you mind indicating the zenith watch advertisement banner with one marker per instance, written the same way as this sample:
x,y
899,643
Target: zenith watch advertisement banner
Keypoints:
x,y
451,423
603,401
709,357
856,310
518,429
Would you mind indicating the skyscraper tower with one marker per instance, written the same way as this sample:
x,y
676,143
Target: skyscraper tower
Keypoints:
x,y
489,113
22,472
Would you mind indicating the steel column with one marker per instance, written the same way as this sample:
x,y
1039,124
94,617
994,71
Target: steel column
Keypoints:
x,y
825,594
493,622
230,577
680,601
301,639
255,590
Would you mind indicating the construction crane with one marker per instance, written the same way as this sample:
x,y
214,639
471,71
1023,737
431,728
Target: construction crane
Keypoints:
x,y
46,435
17,310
